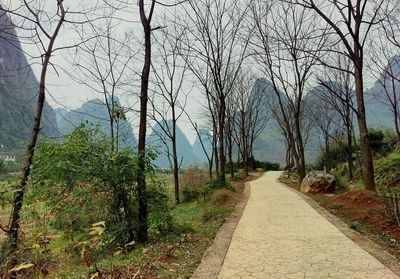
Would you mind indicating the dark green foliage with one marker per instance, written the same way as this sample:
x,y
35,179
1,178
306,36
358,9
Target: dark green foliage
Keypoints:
x,y
376,138
160,218
83,182
217,184
341,185
265,165
337,155
387,171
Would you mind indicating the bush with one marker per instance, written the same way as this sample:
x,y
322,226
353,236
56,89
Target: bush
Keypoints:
x,y
341,185
193,183
160,218
240,174
216,184
82,181
222,197
387,171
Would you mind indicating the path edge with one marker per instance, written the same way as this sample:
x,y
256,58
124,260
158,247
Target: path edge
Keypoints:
x,y
368,245
214,257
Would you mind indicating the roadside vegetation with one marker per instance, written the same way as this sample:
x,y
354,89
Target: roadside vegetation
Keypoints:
x,y
76,220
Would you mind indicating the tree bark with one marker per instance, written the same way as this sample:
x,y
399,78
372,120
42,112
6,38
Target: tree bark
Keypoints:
x,y
175,157
141,172
367,159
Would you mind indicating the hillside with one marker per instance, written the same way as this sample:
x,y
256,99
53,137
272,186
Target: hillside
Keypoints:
x,y
206,138
186,155
18,92
95,113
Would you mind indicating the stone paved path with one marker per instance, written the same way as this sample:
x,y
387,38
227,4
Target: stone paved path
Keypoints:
x,y
281,236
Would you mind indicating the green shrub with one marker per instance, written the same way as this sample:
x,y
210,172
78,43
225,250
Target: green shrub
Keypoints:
x,y
341,185
240,174
160,218
82,180
216,184
387,171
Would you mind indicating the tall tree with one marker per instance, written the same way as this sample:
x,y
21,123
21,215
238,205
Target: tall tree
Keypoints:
x,y
218,46
385,64
35,19
352,22
145,19
286,49
102,63
170,98
338,92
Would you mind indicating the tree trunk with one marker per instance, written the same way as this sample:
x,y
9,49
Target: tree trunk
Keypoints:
x,y
175,158
215,147
327,154
301,167
141,171
367,160
221,145
230,151
19,194
350,148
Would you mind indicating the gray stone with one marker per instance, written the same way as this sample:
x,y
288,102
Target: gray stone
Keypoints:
x,y
318,182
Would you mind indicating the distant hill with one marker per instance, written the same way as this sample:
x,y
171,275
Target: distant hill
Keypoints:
x,y
206,138
269,146
95,113
186,155
378,112
18,92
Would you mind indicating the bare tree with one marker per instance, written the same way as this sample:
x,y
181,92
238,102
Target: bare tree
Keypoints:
x,y
145,19
102,63
205,139
34,19
337,91
326,122
386,69
352,22
218,47
170,76
287,51
251,116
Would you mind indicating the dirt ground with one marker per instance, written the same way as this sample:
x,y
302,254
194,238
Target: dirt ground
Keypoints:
x,y
366,214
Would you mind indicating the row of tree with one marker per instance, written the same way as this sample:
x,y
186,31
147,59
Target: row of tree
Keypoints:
x,y
216,43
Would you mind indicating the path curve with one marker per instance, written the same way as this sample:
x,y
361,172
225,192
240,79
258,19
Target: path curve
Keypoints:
x,y
281,236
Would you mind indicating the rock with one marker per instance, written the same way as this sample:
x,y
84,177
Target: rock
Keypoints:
x,y
318,182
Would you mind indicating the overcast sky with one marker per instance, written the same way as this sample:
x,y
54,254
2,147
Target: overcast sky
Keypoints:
x,y
65,92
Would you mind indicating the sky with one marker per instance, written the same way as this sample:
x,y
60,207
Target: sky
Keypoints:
x,y
63,91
